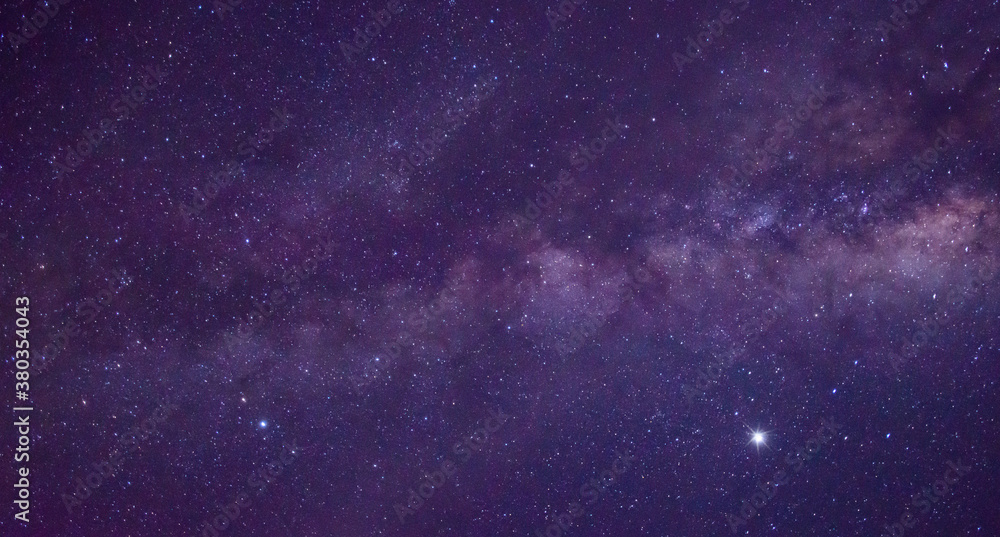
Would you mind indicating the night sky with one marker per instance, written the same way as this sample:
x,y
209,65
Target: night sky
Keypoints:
x,y
542,269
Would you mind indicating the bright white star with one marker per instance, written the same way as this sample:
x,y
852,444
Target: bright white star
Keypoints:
x,y
758,438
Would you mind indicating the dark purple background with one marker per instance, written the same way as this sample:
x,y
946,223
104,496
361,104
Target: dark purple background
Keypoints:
x,y
798,284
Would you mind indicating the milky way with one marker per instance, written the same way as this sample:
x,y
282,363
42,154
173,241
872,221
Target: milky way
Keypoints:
x,y
389,268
